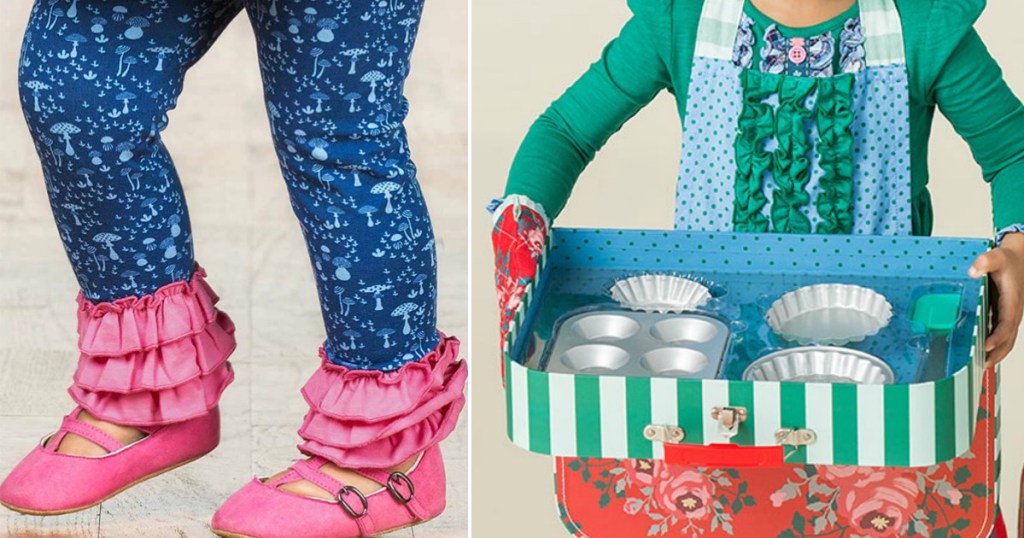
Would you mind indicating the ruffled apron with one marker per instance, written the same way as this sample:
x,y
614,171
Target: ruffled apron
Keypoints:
x,y
814,152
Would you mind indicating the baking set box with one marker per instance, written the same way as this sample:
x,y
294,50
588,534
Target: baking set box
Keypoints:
x,y
719,384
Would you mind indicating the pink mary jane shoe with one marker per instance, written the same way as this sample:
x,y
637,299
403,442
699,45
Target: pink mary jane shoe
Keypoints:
x,y
158,363
50,483
261,510
363,421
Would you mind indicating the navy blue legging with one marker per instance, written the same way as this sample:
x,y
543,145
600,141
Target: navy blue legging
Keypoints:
x,y
97,80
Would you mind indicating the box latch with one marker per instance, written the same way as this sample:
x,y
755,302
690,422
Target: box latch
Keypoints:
x,y
729,419
664,433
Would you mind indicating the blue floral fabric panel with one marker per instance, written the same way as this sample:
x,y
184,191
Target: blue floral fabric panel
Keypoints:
x,y
851,47
97,79
743,49
819,54
1012,229
813,56
494,204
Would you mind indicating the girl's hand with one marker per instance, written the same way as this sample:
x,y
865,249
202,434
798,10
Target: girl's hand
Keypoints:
x,y
1005,267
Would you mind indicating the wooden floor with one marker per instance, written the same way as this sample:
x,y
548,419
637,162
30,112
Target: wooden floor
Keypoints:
x,y
251,247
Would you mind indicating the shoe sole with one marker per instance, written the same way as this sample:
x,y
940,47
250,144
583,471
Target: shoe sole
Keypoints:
x,y
28,512
226,534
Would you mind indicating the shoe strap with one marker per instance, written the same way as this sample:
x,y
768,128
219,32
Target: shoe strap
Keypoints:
x,y
287,477
356,500
310,470
71,424
401,488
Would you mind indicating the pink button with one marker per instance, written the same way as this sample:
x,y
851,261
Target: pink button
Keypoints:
x,y
797,52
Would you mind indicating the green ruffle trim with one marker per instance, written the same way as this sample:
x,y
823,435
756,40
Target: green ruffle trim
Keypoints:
x,y
792,171
789,125
756,126
835,154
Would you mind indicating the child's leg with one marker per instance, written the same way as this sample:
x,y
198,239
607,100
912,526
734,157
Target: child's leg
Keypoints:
x,y
97,80
334,75
391,386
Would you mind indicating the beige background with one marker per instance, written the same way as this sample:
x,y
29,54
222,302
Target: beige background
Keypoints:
x,y
249,242
525,53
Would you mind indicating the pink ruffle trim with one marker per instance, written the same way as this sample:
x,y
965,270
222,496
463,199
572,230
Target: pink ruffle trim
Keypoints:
x,y
372,419
154,360
172,312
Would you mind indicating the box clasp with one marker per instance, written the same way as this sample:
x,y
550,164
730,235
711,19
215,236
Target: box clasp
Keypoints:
x,y
795,438
664,433
729,419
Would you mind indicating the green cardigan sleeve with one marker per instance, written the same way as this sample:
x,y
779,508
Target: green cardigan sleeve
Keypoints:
x,y
971,93
632,70
951,69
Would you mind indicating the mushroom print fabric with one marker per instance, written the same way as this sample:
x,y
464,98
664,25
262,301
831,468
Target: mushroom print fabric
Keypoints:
x,y
97,80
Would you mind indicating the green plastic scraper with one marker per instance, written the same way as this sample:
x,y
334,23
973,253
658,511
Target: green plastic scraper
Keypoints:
x,y
936,314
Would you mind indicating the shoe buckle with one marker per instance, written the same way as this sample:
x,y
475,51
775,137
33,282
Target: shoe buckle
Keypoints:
x,y
399,478
348,508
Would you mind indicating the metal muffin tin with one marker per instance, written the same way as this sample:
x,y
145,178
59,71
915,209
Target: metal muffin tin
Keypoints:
x,y
615,341
820,364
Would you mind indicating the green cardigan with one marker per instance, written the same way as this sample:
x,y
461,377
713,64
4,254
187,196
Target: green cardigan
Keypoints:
x,y
948,64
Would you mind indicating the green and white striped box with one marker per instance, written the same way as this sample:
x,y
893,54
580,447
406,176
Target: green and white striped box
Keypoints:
x,y
897,425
